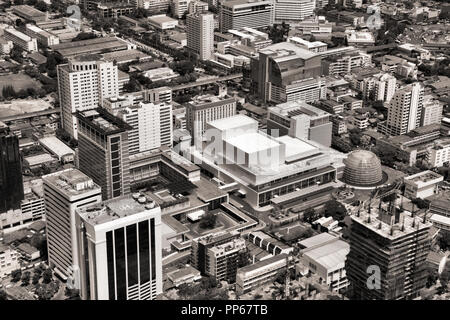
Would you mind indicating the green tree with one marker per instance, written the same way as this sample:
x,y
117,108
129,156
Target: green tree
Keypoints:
x,y
16,275
208,220
309,215
26,278
47,276
8,92
335,209
3,295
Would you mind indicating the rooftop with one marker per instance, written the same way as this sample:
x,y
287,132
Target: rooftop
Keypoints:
x,y
263,263
103,121
425,177
286,51
71,182
117,208
331,255
252,142
28,10
56,146
317,240
232,122
293,109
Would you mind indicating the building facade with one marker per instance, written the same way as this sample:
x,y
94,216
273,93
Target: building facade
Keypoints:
x,y
236,14
200,34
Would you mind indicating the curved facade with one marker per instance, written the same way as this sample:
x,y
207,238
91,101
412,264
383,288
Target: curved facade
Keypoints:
x,y
362,168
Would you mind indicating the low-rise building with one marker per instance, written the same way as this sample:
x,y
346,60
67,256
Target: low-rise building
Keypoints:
x,y
254,275
162,22
20,39
9,260
315,46
58,148
184,276
422,185
325,255
43,37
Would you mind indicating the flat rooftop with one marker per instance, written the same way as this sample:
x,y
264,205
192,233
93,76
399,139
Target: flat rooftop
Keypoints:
x,y
103,121
232,122
252,142
331,255
293,109
161,19
71,182
286,50
296,148
424,177
28,10
115,209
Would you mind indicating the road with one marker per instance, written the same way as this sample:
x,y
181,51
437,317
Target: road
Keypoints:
x,y
31,114
204,82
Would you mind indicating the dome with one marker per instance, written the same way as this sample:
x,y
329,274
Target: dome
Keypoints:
x,y
362,168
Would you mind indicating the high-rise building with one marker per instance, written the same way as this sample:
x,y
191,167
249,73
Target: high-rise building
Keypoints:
x,y
200,34
207,108
387,254
161,94
285,72
196,6
431,111
11,182
64,192
103,151
152,125
179,8
405,110
378,87
83,83
293,10
236,14
120,249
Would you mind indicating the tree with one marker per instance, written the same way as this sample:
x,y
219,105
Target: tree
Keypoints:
x,y
8,92
309,215
444,240
16,275
26,278
3,295
208,221
432,278
335,209
84,36
17,53
72,294
47,276
421,203
42,6
35,279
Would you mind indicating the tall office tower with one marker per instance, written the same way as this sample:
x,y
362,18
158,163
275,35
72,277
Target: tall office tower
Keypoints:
x,y
178,8
293,10
161,94
391,248
206,254
151,123
120,249
11,182
200,34
236,14
404,110
285,72
64,192
203,109
83,83
103,151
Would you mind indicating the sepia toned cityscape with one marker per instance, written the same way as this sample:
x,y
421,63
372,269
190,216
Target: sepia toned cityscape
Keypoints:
x,y
233,150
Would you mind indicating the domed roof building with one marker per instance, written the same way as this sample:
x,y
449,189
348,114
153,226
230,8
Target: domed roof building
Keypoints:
x,y
362,168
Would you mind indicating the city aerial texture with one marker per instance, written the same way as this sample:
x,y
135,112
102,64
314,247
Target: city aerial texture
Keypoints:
x,y
224,150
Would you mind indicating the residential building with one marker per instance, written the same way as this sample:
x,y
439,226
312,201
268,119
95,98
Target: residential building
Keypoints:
x,y
157,95
360,38
196,6
223,260
285,72
103,151
83,84
345,63
154,6
20,39
120,249
379,86
236,14
393,246
404,112
11,182
179,8
203,109
293,10
9,260
439,153
422,185
301,120
64,192
6,46
431,111
200,34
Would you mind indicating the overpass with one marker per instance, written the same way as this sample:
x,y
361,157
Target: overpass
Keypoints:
x,y
30,115
205,82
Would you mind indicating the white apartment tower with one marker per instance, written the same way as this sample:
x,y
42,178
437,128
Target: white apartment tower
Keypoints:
x,y
120,250
200,34
179,8
64,192
405,110
152,126
293,10
83,84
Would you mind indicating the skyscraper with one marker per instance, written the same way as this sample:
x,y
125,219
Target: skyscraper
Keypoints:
x,y
103,151
120,249
387,255
200,34
405,110
11,183
83,83
65,191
